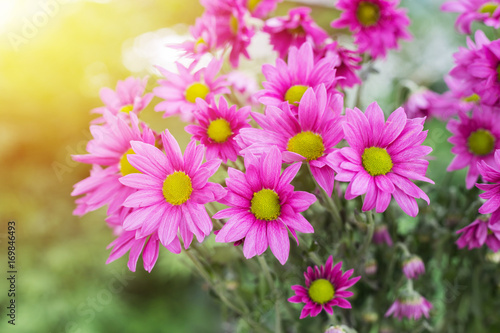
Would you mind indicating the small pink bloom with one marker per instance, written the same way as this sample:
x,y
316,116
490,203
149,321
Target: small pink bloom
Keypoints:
x,y
326,287
205,38
128,98
264,206
478,233
377,25
181,90
491,174
109,148
288,82
172,191
381,235
346,63
413,267
487,11
218,125
261,8
474,139
383,158
410,305
429,104
308,137
294,30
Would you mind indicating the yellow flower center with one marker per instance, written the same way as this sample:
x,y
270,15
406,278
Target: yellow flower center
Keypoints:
x,y
368,13
199,42
321,291
498,72
125,167
489,8
127,108
234,24
481,142
307,144
472,98
297,31
294,94
376,161
252,4
196,90
219,130
177,188
265,205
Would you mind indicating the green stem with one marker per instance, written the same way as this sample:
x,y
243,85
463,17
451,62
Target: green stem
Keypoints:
x,y
330,206
267,274
368,239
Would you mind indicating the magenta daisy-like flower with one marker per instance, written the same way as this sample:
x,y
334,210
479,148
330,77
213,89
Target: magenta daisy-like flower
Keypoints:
x,y
264,206
181,90
128,98
487,11
491,174
326,287
172,191
413,267
294,30
261,8
381,235
205,38
429,104
109,148
346,63
383,158
475,139
377,24
478,233
288,82
309,137
218,125
411,305
478,68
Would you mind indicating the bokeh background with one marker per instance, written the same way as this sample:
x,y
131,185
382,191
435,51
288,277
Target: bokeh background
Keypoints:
x,y
54,58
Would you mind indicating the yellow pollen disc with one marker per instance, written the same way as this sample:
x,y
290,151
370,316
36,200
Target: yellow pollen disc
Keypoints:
x,y
321,291
498,72
368,13
234,25
252,4
307,144
177,188
127,108
472,98
219,130
297,31
265,205
196,90
294,94
199,42
488,8
481,142
125,167
376,161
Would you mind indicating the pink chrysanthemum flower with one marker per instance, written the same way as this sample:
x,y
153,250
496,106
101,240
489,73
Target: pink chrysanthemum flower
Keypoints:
x,y
218,125
475,139
289,82
478,68
429,104
128,98
491,174
264,206
205,38
261,8
148,246
346,63
413,267
478,233
309,137
410,305
487,11
180,91
382,158
377,24
381,235
326,287
110,148
244,86
172,191
294,30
